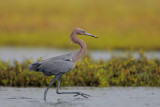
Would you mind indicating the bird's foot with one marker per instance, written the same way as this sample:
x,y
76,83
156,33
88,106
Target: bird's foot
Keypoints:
x,y
82,94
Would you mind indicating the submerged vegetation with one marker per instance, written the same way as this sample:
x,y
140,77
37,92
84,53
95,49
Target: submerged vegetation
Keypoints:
x,y
120,24
116,72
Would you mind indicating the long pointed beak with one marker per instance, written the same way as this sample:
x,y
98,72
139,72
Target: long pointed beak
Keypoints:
x,y
88,34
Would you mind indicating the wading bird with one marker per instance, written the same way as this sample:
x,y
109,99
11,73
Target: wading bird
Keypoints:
x,y
62,64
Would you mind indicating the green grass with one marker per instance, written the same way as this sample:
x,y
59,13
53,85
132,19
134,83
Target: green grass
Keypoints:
x,y
116,72
120,24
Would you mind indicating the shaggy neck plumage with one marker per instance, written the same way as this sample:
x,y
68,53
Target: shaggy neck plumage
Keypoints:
x,y
81,43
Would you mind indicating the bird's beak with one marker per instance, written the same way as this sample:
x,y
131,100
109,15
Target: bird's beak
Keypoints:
x,y
88,34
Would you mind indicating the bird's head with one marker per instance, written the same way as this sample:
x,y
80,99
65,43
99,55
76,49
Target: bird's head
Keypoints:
x,y
82,32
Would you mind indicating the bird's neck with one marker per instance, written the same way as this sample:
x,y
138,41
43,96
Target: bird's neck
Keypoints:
x,y
76,40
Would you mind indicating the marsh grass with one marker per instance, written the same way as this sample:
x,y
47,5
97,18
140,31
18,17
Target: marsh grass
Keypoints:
x,y
120,24
116,72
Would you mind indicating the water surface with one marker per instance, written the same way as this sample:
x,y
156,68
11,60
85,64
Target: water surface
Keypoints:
x,y
101,97
20,54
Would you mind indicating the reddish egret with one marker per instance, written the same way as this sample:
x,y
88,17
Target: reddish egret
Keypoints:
x,y
62,64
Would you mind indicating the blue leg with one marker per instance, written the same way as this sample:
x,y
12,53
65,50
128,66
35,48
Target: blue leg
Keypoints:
x,y
76,93
46,90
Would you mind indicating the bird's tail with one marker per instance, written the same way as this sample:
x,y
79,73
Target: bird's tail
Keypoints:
x,y
34,66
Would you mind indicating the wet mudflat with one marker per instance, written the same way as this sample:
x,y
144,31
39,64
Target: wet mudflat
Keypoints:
x,y
101,97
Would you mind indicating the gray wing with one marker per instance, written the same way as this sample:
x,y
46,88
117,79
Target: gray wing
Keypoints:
x,y
70,57
55,67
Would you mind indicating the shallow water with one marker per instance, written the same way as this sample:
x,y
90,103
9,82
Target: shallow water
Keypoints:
x,y
20,54
100,97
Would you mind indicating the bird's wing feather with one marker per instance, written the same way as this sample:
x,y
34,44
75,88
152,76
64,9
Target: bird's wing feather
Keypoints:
x,y
70,56
54,67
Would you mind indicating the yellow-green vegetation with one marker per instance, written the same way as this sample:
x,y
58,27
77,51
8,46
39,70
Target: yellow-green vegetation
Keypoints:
x,y
120,24
116,72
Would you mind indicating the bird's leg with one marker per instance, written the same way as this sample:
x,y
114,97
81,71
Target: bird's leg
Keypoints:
x,y
46,90
76,93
